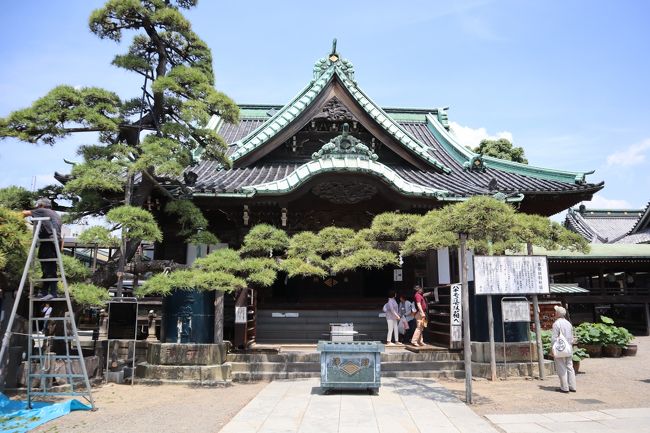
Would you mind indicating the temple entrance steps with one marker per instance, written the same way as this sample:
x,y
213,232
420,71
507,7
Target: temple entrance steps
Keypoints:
x,y
396,362
284,325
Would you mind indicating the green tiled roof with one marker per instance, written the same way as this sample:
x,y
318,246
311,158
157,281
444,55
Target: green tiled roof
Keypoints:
x,y
462,154
600,251
343,164
557,288
323,75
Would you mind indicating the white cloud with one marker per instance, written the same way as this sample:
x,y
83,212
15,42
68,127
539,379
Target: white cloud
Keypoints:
x,y
472,137
633,155
600,202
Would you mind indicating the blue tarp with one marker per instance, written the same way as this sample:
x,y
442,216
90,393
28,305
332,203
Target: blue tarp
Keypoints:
x,y
16,418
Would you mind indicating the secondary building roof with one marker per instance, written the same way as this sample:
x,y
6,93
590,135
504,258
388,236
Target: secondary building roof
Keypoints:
x,y
607,226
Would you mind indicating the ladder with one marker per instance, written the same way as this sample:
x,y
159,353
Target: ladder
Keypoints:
x,y
38,336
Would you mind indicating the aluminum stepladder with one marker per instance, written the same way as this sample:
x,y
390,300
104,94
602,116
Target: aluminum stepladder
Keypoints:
x,y
43,341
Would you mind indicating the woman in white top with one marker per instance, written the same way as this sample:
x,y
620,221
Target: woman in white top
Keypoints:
x,y
392,317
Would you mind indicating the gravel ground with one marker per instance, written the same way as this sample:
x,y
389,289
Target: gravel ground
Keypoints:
x,y
159,409
603,383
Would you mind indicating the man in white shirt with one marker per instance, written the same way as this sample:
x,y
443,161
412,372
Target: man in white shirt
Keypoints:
x,y
564,365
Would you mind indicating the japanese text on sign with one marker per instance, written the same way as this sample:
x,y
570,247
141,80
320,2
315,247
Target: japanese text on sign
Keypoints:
x,y
456,312
505,275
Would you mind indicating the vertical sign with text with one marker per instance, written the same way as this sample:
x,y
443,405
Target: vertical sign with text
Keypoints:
x,y
456,313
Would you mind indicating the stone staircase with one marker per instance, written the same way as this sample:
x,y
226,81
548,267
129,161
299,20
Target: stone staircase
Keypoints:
x,y
313,325
248,367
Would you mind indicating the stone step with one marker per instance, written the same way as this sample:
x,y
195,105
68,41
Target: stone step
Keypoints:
x,y
271,357
404,356
297,336
267,367
341,316
421,366
196,374
269,376
428,374
266,376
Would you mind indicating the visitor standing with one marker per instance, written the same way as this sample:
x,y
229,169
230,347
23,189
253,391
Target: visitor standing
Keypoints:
x,y
407,310
392,317
47,250
420,317
562,328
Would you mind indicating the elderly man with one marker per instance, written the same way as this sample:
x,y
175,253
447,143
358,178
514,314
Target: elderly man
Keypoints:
x,y
564,365
47,250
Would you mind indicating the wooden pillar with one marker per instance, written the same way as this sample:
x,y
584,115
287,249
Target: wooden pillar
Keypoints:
x,y
467,347
647,318
218,317
493,357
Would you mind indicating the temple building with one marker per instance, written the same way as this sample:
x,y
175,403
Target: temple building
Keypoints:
x,y
613,279
332,156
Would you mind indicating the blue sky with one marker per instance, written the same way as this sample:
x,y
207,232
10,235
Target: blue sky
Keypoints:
x,y
568,81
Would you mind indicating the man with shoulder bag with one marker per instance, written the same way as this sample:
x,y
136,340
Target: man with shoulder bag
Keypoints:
x,y
562,348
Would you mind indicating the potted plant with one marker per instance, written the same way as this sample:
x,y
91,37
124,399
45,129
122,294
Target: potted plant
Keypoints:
x,y
589,338
624,339
578,355
612,337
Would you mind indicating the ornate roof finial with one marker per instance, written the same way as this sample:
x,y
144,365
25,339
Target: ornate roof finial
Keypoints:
x,y
334,59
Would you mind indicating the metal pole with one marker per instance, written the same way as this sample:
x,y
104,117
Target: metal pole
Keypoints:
x,y
538,338
503,334
493,357
467,348
538,327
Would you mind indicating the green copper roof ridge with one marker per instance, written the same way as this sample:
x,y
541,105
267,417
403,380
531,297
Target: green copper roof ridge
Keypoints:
x,y
463,154
241,144
312,168
353,88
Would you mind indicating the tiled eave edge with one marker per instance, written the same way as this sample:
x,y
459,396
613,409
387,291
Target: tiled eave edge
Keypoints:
x,y
581,224
463,154
642,222
338,165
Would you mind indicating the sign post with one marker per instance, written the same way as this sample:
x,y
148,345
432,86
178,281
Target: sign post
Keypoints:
x,y
467,347
513,309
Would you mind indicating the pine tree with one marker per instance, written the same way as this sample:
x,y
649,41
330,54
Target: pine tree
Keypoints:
x,y
151,137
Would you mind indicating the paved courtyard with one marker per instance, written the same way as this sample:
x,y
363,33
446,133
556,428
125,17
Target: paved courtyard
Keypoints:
x,y
596,421
403,405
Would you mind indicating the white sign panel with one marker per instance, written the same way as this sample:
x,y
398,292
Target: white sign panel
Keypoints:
x,y
397,275
444,274
515,311
240,315
456,312
511,275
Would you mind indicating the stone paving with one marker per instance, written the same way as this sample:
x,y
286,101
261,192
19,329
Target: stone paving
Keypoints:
x,y
596,421
403,405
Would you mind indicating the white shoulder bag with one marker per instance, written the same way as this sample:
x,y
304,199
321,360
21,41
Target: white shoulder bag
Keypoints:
x,y
561,347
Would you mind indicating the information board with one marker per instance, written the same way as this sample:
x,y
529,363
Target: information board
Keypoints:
x,y
515,311
511,275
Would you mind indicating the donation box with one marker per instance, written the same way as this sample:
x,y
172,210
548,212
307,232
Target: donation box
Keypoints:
x,y
350,365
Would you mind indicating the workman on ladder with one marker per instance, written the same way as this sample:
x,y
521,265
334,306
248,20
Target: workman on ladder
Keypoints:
x,y
47,250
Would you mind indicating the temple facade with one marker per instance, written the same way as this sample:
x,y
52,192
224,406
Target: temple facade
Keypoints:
x,y
332,156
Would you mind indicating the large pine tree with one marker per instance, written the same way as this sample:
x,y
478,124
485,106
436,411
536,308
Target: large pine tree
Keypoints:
x,y
154,135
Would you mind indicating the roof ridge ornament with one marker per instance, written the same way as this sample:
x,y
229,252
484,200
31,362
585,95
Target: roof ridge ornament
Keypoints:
x,y
333,60
345,145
